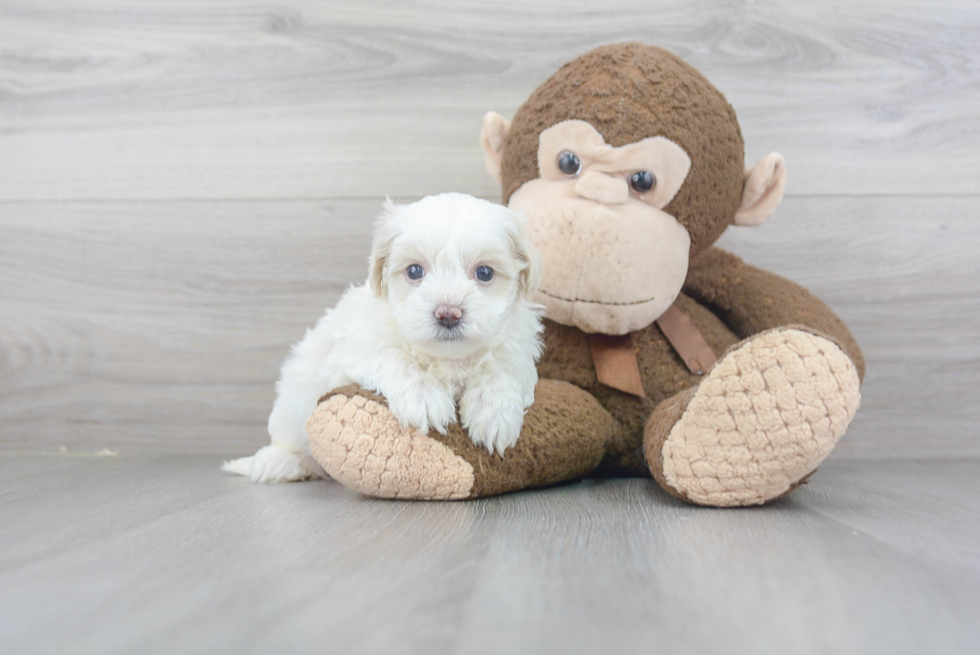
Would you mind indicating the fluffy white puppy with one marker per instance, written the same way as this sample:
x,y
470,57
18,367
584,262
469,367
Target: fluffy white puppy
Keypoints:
x,y
445,317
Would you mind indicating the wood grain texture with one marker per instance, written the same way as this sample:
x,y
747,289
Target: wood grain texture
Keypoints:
x,y
161,325
104,99
185,185
165,554
166,322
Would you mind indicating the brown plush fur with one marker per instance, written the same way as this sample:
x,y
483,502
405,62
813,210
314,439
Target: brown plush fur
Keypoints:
x,y
768,301
658,429
750,301
629,92
567,356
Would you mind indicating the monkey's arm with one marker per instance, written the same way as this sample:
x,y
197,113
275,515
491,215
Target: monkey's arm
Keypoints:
x,y
750,300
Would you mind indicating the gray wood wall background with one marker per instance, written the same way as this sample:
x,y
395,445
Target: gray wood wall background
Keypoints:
x,y
186,184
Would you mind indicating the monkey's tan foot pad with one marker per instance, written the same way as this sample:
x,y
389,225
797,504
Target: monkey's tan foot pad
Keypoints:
x,y
357,440
760,422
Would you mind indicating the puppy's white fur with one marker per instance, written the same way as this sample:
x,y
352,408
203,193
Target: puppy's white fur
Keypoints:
x,y
384,334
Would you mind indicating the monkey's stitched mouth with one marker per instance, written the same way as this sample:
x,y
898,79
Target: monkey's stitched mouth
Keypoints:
x,y
596,302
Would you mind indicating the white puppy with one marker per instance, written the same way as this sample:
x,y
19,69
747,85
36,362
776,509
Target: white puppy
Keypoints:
x,y
444,317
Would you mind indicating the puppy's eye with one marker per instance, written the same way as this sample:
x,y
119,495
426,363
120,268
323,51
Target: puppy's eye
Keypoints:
x,y
415,272
569,164
484,273
642,181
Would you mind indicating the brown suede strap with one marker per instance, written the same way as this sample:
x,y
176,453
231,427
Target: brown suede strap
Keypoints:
x,y
615,362
687,340
615,356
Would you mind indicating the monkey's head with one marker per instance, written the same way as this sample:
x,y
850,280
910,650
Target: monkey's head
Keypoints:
x,y
627,163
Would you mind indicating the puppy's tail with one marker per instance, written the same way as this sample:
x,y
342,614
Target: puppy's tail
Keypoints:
x,y
241,466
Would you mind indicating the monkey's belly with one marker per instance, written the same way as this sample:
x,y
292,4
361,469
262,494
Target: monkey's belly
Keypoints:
x,y
567,357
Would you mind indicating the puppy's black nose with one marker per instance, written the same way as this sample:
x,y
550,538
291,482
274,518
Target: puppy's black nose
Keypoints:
x,y
448,315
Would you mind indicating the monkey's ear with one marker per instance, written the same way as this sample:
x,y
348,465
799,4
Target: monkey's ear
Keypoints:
x,y
384,234
764,186
495,129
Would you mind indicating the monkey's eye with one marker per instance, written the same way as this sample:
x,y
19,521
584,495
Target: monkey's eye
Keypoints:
x,y
415,272
642,181
484,273
569,164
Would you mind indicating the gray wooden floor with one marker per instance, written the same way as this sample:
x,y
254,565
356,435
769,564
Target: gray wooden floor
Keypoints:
x,y
163,554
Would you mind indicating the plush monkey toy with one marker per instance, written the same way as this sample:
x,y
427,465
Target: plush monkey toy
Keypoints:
x,y
663,355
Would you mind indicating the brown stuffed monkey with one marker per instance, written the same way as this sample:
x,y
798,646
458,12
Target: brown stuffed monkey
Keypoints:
x,y
663,355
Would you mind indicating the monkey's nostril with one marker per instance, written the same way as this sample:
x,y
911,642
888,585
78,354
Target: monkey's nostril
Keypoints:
x,y
448,315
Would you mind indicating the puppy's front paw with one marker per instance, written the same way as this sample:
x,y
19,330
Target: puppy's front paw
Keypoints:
x,y
492,421
423,406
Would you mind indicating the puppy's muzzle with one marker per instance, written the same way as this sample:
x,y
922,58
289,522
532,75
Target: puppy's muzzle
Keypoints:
x,y
448,315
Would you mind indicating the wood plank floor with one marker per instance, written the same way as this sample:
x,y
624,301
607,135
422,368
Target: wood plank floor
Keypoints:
x,y
165,554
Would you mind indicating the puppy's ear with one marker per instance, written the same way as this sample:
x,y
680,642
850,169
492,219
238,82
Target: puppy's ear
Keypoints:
x,y
527,253
384,235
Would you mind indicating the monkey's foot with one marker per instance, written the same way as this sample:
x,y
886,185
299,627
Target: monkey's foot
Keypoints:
x,y
759,423
357,440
